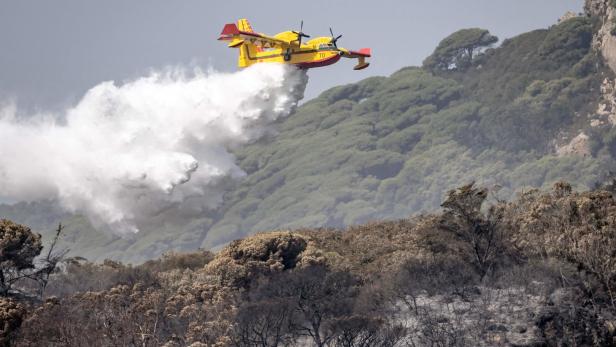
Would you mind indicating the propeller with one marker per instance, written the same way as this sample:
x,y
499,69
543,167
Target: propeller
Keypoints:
x,y
334,39
300,33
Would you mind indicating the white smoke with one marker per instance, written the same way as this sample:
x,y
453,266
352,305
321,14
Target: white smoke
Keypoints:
x,y
125,153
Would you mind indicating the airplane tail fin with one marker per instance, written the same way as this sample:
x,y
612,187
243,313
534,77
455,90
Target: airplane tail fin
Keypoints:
x,y
233,29
248,51
244,25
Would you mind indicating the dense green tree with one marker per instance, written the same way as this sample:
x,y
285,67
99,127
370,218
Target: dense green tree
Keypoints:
x,y
458,50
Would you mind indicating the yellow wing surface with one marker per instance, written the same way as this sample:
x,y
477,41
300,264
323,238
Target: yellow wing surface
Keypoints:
x,y
243,33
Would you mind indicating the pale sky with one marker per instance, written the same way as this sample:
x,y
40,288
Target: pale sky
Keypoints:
x,y
51,52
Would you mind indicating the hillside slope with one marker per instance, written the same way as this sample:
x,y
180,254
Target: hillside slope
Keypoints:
x,y
389,147
532,111
535,271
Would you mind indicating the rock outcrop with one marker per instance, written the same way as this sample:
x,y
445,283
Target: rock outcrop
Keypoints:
x,y
568,15
604,40
579,145
606,109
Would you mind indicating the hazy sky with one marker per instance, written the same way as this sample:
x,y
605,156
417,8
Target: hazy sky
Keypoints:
x,y
51,52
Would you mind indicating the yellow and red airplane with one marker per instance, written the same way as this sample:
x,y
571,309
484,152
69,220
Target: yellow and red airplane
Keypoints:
x,y
287,47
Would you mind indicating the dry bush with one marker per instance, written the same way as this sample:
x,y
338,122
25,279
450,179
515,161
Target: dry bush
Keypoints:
x,y
568,322
416,277
344,288
484,234
131,316
243,261
540,276
312,303
438,330
18,248
178,261
120,316
11,315
576,227
78,276
264,322
366,331
369,249
319,298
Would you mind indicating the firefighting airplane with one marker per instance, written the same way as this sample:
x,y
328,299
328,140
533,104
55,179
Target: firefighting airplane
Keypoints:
x,y
287,47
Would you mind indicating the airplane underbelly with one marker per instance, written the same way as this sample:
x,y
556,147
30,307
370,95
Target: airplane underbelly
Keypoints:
x,y
303,60
318,59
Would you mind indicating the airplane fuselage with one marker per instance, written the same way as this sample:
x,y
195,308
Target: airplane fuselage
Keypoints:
x,y
314,53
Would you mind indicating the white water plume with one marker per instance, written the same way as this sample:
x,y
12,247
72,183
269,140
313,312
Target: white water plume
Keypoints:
x,y
127,152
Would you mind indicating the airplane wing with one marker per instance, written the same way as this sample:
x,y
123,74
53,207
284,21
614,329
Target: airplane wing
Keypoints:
x,y
231,33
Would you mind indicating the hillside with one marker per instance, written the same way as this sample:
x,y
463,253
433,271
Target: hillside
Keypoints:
x,y
532,111
536,271
389,147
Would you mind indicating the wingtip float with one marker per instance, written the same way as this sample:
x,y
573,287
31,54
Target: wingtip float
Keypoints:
x,y
287,47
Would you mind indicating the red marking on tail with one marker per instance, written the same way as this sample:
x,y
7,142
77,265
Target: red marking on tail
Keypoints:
x,y
228,31
366,51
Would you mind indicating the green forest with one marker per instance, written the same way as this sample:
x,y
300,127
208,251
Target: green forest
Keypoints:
x,y
389,147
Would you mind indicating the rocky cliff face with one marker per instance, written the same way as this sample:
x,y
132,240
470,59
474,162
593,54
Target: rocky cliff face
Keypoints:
x,y
604,41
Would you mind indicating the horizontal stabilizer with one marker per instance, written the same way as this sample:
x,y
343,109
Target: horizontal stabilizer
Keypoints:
x,y
235,43
361,66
